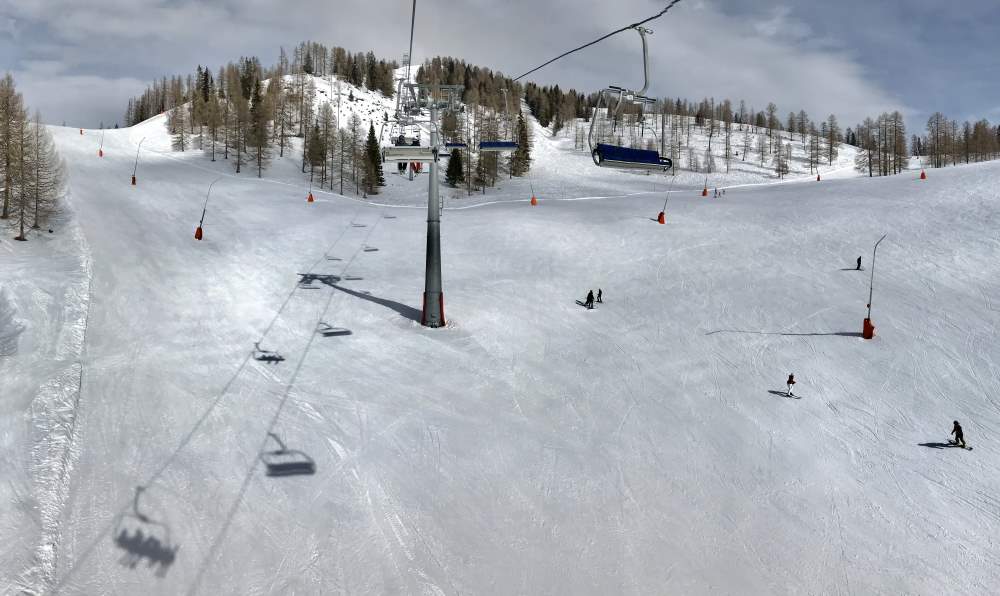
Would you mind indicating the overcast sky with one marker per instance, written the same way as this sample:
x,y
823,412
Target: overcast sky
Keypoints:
x,y
79,61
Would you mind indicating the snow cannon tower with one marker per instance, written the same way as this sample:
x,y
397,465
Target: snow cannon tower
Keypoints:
x,y
867,327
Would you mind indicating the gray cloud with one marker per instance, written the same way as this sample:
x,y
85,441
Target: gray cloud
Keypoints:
x,y
80,61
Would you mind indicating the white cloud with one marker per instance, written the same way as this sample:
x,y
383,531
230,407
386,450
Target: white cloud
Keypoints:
x,y
78,99
697,49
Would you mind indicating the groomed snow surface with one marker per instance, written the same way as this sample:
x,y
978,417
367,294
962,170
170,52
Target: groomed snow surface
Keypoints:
x,y
532,446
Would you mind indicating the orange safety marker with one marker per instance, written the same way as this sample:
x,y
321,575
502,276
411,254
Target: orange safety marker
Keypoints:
x,y
534,201
197,233
310,198
923,174
661,218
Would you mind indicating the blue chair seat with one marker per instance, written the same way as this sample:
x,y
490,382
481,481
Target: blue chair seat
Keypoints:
x,y
626,157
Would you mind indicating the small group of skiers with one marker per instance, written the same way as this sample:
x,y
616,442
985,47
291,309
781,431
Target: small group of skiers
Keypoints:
x,y
589,302
955,430
719,193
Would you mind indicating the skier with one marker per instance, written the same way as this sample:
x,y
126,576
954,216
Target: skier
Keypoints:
x,y
959,437
859,264
599,295
790,382
590,299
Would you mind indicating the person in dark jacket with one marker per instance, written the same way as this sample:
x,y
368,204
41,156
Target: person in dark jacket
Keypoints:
x,y
600,295
590,299
959,437
790,382
859,264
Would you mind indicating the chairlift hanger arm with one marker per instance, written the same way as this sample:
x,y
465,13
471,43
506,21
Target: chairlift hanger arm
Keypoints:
x,y
600,39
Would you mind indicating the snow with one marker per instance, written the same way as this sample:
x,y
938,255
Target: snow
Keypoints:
x,y
530,446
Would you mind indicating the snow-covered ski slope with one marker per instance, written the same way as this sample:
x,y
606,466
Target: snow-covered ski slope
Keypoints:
x,y
531,447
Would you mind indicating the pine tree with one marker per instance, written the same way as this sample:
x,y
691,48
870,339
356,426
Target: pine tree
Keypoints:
x,y
373,176
11,111
177,123
317,150
48,177
258,134
521,158
455,175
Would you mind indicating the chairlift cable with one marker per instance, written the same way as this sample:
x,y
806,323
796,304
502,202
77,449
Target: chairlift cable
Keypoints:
x,y
409,56
598,40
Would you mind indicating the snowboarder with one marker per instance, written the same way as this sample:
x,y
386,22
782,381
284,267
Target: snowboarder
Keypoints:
x,y
959,437
790,382
859,264
589,303
599,295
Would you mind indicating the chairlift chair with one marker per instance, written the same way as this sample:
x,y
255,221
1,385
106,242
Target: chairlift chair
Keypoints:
x,y
617,156
498,146
408,154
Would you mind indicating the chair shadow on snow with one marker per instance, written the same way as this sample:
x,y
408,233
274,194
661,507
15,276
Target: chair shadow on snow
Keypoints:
x,y
327,330
783,394
286,462
143,538
835,333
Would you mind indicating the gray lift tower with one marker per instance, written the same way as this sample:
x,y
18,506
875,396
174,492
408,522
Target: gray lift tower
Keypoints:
x,y
434,98
439,97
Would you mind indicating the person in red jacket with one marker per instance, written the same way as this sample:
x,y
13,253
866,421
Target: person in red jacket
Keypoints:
x,y
790,382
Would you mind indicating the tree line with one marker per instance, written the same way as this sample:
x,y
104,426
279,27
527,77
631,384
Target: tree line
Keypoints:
x,y
491,111
734,130
245,113
31,172
946,143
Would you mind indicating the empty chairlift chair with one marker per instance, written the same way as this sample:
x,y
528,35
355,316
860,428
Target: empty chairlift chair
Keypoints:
x,y
497,146
617,156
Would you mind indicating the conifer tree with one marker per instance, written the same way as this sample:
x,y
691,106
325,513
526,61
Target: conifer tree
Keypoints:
x,y
177,123
258,135
317,150
373,176
454,175
521,158
48,175
11,111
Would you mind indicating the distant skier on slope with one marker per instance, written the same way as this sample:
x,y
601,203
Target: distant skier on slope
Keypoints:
x,y
959,436
859,264
790,382
600,295
589,303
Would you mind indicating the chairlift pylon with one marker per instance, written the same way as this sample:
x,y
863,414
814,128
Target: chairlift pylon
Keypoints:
x,y
617,156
